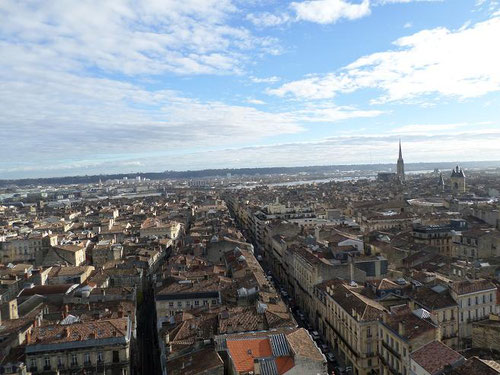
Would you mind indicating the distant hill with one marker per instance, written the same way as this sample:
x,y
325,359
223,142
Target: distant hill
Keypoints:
x,y
210,173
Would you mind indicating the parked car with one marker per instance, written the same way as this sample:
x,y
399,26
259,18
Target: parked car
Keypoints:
x,y
315,335
330,357
324,348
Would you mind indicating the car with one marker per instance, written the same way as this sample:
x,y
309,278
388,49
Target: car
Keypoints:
x,y
339,370
325,348
315,335
330,357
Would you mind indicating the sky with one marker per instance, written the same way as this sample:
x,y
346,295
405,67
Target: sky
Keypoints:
x,y
91,87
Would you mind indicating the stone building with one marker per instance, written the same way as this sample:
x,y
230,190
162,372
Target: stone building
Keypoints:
x,y
458,180
102,346
401,332
476,299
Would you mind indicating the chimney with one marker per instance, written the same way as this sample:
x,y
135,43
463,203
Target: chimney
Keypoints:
x,y
120,313
256,367
316,233
28,337
66,310
401,329
66,332
351,267
411,305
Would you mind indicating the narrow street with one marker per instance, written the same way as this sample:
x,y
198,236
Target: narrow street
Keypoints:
x,y
146,335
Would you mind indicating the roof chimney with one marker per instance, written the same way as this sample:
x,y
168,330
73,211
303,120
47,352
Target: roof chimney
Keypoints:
x,y
401,329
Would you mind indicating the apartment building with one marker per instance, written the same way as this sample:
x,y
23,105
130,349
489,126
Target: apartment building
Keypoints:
x,y
444,311
349,322
476,299
101,346
402,331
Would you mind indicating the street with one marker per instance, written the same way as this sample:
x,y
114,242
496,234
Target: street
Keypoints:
x,y
146,335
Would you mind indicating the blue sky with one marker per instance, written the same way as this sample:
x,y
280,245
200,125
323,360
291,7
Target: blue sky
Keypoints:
x,y
125,86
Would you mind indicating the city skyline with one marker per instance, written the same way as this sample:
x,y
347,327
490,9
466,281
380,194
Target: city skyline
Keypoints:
x,y
90,88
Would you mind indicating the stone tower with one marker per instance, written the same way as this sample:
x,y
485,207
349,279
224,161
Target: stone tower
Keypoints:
x,y
457,180
400,166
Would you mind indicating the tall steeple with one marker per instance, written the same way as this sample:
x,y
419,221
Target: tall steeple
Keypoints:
x,y
400,165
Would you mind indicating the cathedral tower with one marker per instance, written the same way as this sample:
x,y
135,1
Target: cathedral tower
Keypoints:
x,y
400,166
458,180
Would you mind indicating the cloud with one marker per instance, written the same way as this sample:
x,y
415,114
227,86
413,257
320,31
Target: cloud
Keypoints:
x,y
351,149
461,64
129,37
321,11
255,101
272,79
266,19
330,11
59,116
407,25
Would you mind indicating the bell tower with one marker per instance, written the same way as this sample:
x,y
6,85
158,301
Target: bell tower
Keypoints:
x,y
400,166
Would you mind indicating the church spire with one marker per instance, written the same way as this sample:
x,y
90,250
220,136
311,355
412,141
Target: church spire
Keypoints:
x,y
400,165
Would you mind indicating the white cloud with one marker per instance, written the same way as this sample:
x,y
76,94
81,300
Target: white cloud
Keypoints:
x,y
63,115
255,101
131,37
272,79
266,19
329,11
462,64
321,11
407,25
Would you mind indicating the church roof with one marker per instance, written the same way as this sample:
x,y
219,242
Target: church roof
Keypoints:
x,y
457,172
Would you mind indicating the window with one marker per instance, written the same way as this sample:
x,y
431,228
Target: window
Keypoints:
x,y
99,357
491,297
179,304
59,361
74,359
47,362
484,298
197,303
170,304
468,299
404,352
87,358
477,300
116,356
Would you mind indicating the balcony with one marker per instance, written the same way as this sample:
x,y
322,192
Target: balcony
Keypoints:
x,y
388,366
391,350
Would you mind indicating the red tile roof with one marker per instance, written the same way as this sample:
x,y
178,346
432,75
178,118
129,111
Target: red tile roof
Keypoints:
x,y
243,352
434,356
